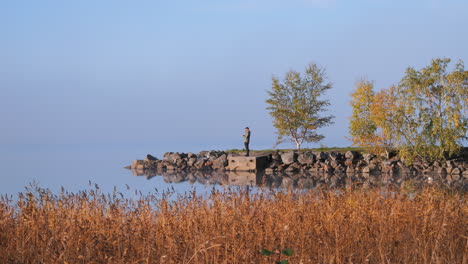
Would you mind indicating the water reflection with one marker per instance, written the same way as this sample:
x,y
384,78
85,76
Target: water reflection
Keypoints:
x,y
305,180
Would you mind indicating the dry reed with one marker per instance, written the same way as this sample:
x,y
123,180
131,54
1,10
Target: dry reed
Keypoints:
x,y
363,226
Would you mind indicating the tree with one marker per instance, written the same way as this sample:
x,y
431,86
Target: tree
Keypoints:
x,y
372,122
362,127
383,114
295,105
424,117
431,110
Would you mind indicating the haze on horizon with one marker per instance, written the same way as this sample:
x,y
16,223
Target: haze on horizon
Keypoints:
x,y
195,73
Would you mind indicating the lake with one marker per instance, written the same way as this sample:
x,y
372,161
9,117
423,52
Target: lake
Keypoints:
x,y
74,167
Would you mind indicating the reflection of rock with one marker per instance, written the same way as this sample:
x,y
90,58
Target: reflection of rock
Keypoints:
x,y
242,178
321,174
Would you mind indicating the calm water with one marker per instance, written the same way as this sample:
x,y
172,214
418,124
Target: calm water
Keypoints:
x,y
73,167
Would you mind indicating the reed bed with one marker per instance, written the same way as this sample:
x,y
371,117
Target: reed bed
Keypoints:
x,y
232,226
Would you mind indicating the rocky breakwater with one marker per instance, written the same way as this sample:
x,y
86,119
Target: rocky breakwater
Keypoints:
x,y
203,161
342,163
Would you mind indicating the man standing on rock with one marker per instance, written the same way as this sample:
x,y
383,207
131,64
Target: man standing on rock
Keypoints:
x,y
247,140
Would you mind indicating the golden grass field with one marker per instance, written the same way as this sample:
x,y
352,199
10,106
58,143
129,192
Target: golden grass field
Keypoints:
x,y
232,226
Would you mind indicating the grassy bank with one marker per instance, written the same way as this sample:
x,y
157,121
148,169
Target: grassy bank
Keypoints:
x,y
324,149
231,227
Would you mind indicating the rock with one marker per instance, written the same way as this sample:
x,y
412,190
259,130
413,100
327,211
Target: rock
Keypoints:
x,y
295,167
389,162
199,164
138,164
275,156
314,170
333,155
339,169
191,161
327,169
456,171
150,157
306,158
180,163
174,157
442,171
366,170
269,170
465,174
320,156
350,155
449,163
367,157
221,162
334,164
274,164
167,155
348,162
171,168
289,157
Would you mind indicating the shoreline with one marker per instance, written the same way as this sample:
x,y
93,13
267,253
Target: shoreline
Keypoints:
x,y
343,164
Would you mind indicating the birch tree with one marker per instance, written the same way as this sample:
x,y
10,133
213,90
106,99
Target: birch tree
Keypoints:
x,y
296,106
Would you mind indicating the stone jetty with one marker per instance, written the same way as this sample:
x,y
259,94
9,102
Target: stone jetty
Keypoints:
x,y
331,162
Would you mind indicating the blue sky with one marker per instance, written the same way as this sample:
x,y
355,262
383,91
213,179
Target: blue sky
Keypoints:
x,y
195,73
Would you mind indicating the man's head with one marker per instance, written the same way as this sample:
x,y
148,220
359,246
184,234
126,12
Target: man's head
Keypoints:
x,y
247,129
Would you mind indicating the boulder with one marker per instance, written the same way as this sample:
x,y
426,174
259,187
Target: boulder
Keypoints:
x,y
465,174
456,171
306,158
199,164
295,167
289,157
350,155
138,164
191,161
367,157
274,164
366,170
333,155
275,156
320,156
167,155
221,162
334,164
150,157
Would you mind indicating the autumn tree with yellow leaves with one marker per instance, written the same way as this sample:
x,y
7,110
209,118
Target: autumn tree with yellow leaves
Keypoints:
x,y
424,117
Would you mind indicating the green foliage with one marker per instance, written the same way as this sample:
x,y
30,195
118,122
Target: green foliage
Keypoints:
x,y
431,111
424,117
287,252
266,252
295,106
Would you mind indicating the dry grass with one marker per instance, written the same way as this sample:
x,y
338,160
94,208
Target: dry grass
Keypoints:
x,y
231,227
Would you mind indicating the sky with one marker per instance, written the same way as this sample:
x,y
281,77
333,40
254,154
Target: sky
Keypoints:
x,y
192,74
